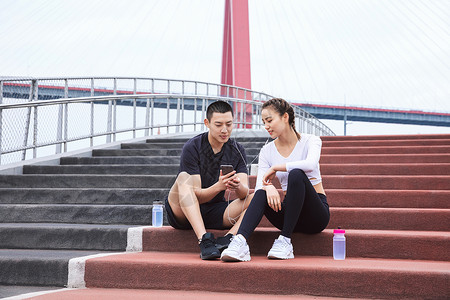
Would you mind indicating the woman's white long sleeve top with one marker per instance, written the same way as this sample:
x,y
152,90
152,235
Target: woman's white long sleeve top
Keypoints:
x,y
305,156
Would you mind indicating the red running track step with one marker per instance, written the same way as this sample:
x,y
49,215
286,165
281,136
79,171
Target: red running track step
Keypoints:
x,y
303,275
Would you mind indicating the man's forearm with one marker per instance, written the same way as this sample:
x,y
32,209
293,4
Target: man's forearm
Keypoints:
x,y
205,195
242,191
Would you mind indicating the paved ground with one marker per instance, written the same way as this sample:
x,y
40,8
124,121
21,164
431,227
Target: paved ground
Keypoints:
x,y
10,290
125,294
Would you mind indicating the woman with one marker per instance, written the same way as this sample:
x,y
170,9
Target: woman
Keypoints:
x,y
294,159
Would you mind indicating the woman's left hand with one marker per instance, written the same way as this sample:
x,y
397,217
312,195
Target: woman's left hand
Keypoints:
x,y
270,174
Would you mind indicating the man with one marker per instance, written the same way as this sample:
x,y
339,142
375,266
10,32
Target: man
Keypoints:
x,y
197,198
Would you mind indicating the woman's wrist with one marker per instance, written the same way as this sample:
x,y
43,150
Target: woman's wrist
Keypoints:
x,y
278,168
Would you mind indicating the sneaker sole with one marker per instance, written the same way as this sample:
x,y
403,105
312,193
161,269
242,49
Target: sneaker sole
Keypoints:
x,y
210,257
229,258
277,257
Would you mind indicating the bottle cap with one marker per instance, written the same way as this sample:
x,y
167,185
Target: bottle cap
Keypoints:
x,y
339,231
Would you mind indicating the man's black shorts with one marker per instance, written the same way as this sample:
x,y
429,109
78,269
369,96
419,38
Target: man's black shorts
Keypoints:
x,y
212,214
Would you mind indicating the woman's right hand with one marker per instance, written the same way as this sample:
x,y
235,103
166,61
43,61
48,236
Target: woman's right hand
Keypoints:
x,y
273,197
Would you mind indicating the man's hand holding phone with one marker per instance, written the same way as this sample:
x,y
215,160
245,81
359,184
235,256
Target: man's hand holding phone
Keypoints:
x,y
228,177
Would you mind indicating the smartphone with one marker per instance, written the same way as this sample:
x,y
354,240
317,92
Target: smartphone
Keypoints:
x,y
226,169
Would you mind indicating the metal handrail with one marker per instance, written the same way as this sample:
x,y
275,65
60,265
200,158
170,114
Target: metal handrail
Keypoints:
x,y
33,127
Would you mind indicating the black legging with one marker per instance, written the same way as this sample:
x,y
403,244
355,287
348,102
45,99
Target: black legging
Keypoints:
x,y
302,210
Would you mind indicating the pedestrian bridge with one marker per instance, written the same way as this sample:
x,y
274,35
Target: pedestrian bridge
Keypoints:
x,y
81,87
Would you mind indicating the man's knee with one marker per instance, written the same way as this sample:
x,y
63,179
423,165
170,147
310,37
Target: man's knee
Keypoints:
x,y
183,190
184,180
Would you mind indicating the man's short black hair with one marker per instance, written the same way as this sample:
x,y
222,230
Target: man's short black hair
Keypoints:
x,y
219,107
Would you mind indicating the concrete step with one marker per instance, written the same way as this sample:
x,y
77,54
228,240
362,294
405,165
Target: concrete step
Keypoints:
x,y
326,143
110,196
388,198
154,145
154,152
184,140
386,244
86,181
374,218
382,143
325,159
81,214
163,169
382,198
303,275
377,218
387,137
155,169
386,169
16,290
63,236
117,160
426,219
36,267
384,159
386,150
393,182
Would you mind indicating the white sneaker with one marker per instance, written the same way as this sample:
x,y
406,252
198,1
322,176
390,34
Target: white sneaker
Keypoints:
x,y
237,250
281,249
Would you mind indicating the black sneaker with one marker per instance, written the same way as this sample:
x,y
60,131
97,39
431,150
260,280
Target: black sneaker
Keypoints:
x,y
208,248
223,242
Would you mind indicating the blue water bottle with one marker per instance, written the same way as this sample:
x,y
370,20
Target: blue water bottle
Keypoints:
x,y
157,214
339,244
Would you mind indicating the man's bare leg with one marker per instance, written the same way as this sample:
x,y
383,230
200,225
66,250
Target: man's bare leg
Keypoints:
x,y
185,204
234,213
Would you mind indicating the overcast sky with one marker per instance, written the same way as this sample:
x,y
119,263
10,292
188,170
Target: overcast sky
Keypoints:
x,y
377,53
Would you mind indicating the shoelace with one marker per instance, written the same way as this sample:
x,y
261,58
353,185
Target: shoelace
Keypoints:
x,y
235,243
280,243
207,243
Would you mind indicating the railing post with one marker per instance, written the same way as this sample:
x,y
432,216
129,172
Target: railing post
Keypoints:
x,y
1,137
168,113
152,115
195,113
147,117
114,119
178,116
66,125
1,92
182,114
109,118
35,131
1,123
203,113
32,96
92,114
134,108
60,117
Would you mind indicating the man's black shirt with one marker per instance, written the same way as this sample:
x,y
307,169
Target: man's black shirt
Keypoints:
x,y
198,157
